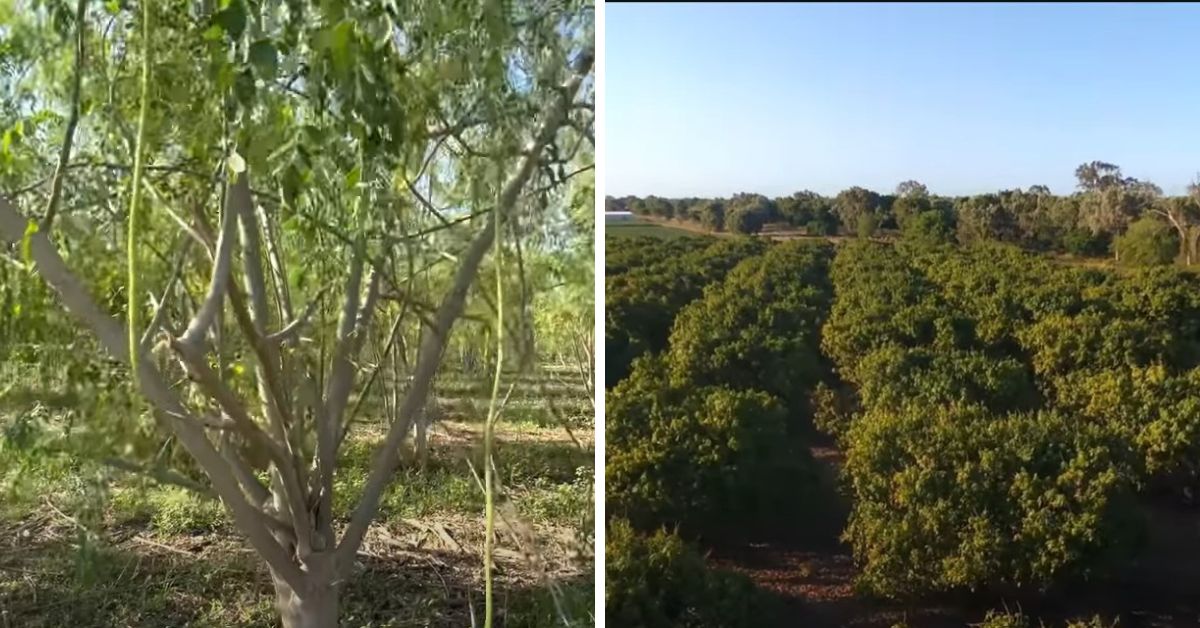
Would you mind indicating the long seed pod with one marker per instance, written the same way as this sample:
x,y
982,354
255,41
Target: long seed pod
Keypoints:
x,y
136,197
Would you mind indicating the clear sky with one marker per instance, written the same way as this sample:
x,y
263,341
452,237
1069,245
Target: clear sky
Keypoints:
x,y
714,99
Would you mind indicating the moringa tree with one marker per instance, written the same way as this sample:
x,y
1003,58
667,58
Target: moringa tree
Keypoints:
x,y
308,161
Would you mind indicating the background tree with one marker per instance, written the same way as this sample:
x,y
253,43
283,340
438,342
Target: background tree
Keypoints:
x,y
712,214
853,203
867,225
910,189
1148,242
912,198
803,207
747,213
1183,214
1109,200
984,217
928,228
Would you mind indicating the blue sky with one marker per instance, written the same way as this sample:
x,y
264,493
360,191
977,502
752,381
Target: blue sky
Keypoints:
x,y
714,99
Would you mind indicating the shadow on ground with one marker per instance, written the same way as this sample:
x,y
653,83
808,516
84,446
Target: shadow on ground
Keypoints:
x,y
210,581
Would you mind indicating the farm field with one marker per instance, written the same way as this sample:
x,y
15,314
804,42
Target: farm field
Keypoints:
x,y
641,227
935,360
874,434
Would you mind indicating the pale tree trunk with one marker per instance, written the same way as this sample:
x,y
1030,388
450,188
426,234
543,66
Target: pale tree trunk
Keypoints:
x,y
1185,242
1188,235
1185,246
317,607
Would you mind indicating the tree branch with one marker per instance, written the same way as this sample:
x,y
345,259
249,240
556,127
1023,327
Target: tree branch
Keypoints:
x,y
219,283
160,314
111,334
161,475
433,342
64,154
294,327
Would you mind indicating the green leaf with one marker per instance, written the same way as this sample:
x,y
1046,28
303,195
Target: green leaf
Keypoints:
x,y
214,33
236,163
27,242
264,58
339,46
291,184
244,88
353,177
232,20
113,7
313,134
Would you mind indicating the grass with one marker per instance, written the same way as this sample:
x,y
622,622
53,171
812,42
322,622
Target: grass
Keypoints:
x,y
218,585
637,228
82,545
548,480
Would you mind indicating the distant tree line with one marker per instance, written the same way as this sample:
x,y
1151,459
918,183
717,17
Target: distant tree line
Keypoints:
x,y
1109,213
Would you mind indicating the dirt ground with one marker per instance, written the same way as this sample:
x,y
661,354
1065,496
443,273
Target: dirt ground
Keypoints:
x,y
411,572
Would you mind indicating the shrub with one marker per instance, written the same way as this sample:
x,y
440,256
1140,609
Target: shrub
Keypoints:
x,y
1094,340
712,215
892,377
1147,242
866,226
759,329
178,511
1156,412
833,408
928,228
657,581
820,227
745,220
699,458
1094,622
961,498
641,300
1083,243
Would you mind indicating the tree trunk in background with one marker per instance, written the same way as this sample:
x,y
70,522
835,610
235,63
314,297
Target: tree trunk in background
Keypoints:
x,y
1187,240
421,440
1190,241
316,608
